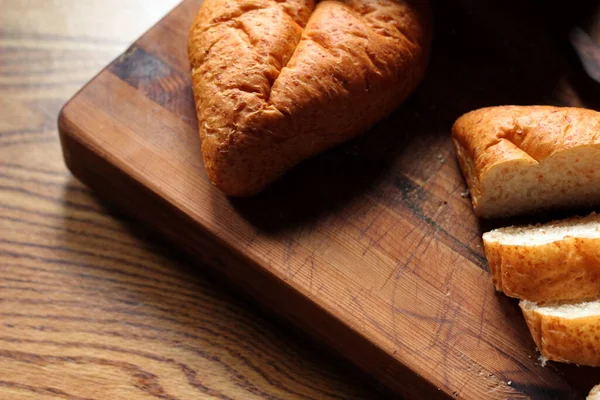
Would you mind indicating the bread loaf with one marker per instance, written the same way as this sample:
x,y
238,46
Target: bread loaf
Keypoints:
x,y
568,333
558,261
518,160
278,81
595,393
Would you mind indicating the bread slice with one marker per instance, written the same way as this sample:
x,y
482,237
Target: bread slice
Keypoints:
x,y
595,393
517,160
568,333
277,81
553,262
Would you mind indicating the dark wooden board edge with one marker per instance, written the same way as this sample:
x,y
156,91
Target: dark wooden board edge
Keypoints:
x,y
149,209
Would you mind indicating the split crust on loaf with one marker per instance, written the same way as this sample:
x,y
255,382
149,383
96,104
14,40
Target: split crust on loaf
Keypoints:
x,y
521,159
278,81
553,262
567,333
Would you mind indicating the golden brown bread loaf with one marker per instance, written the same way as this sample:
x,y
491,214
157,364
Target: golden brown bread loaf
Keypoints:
x,y
518,160
567,333
553,262
278,81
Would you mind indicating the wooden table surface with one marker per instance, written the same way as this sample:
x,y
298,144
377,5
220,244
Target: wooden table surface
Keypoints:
x,y
91,305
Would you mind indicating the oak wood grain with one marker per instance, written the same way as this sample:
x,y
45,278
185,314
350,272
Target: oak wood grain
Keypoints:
x,y
93,306
370,247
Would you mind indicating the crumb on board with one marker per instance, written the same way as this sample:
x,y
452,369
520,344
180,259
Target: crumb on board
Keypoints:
x,y
465,194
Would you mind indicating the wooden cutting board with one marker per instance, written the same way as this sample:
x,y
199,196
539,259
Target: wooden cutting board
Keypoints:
x,y
372,248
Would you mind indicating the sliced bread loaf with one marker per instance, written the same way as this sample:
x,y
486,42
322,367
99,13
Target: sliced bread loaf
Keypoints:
x,y
518,160
567,333
554,262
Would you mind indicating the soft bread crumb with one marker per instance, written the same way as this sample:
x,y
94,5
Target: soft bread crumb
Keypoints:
x,y
543,361
587,227
566,311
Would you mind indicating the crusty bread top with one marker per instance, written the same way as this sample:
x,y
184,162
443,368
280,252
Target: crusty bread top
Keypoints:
x,y
531,133
277,81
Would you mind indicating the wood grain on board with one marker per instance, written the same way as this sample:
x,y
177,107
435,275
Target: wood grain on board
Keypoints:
x,y
371,247
92,306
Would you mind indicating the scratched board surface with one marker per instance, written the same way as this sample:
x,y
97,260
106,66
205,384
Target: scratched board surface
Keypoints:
x,y
371,247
